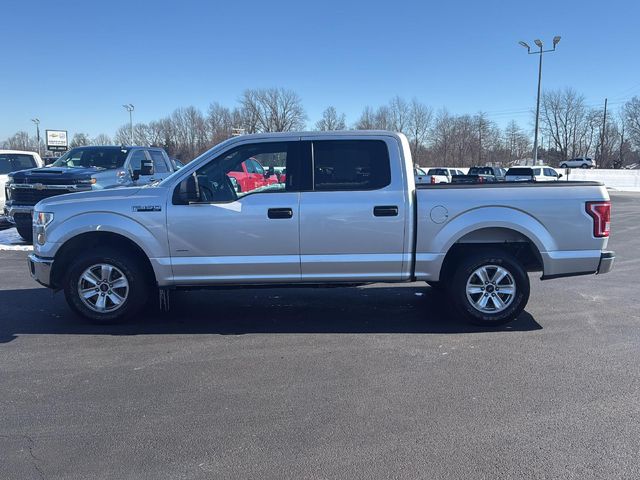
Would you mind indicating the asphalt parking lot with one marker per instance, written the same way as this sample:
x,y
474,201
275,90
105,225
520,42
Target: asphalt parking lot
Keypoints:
x,y
374,382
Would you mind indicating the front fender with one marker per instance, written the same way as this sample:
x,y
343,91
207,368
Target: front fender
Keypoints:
x,y
150,237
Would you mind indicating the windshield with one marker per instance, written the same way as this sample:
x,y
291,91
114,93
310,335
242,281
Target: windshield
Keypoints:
x,y
11,162
107,158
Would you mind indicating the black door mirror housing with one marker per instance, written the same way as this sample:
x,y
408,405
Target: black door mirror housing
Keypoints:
x,y
146,167
186,192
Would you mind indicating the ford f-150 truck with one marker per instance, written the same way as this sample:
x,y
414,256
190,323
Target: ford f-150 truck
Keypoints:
x,y
81,169
349,213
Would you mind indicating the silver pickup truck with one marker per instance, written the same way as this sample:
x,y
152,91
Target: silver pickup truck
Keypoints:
x,y
347,212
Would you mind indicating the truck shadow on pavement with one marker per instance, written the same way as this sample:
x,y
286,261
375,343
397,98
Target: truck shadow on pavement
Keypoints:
x,y
379,309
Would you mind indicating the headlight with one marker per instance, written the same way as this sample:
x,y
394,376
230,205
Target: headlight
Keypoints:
x,y
42,219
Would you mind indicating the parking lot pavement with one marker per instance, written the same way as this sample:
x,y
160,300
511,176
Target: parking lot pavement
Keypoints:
x,y
375,382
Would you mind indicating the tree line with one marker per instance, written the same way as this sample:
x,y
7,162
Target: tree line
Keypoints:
x,y
568,128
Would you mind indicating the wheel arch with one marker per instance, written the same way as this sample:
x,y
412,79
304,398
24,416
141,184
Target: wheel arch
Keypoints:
x,y
513,242
97,239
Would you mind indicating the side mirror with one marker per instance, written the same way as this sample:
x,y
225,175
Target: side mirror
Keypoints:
x,y
269,172
146,167
135,175
560,175
186,192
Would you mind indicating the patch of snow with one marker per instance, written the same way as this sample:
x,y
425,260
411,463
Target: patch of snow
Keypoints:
x,y
10,240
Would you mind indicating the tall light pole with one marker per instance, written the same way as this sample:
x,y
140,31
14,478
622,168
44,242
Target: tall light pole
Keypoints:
x,y
130,108
37,122
538,43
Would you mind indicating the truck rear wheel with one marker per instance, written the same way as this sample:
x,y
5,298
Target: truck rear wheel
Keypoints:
x,y
106,286
490,288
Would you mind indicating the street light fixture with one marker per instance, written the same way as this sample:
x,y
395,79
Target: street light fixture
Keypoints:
x,y
37,122
540,52
130,108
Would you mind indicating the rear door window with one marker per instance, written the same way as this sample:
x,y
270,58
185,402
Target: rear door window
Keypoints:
x,y
350,165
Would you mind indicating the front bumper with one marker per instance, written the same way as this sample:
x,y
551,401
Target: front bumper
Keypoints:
x,y
607,259
19,211
40,269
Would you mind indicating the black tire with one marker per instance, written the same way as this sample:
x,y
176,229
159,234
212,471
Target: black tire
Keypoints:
x,y
138,285
26,232
491,259
564,165
584,165
437,286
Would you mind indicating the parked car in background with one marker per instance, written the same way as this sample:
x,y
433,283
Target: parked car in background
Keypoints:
x,y
436,175
497,172
12,161
251,175
470,179
545,174
580,162
82,169
520,174
350,213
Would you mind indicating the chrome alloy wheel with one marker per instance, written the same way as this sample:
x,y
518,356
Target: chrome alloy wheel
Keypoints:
x,y
491,289
103,288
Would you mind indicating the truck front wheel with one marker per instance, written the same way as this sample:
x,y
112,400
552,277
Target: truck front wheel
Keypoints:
x,y
26,232
106,286
490,288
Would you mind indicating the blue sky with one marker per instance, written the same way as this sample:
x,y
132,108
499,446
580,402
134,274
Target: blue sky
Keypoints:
x,y
73,64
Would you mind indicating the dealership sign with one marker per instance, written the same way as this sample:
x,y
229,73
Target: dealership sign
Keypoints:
x,y
57,141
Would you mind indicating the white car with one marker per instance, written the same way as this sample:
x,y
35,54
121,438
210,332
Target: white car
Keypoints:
x,y
583,162
545,174
12,161
436,175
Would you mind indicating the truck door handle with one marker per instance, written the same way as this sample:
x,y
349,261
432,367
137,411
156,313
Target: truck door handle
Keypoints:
x,y
280,213
385,211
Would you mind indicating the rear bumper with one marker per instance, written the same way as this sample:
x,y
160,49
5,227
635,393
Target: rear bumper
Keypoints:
x,y
567,264
607,259
40,269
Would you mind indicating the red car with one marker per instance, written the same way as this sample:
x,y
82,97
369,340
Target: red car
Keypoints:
x,y
250,175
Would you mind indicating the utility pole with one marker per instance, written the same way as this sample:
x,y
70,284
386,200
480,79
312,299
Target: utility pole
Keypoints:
x,y
130,108
538,43
603,133
37,122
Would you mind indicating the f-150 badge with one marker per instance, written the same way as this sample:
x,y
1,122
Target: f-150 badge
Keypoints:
x,y
146,208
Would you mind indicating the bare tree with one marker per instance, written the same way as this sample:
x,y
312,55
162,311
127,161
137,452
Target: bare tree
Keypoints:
x,y
219,122
420,118
101,139
632,120
79,140
367,120
272,110
21,141
517,144
563,115
399,112
331,120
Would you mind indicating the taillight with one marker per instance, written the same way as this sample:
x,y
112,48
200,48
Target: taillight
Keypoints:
x,y
480,179
433,179
601,214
